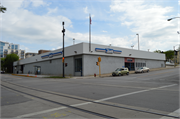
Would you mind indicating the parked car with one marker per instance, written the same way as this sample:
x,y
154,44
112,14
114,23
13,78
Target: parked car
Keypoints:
x,y
2,72
120,71
141,70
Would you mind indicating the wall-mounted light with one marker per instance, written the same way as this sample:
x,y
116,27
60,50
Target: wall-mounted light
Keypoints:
x,y
129,54
75,51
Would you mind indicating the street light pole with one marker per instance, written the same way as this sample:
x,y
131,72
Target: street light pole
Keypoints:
x,y
178,33
138,40
172,18
73,41
63,31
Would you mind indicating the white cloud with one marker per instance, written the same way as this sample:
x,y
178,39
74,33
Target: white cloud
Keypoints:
x,y
37,3
86,10
179,2
20,25
50,11
149,20
104,31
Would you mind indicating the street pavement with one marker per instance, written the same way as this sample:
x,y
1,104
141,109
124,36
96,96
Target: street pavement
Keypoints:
x,y
156,91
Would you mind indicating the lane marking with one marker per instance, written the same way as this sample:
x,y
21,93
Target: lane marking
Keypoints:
x,y
118,86
86,103
41,112
175,113
154,74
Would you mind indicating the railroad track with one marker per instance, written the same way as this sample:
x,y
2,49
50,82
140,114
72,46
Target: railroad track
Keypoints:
x,y
28,91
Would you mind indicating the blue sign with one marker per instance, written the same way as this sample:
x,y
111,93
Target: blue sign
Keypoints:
x,y
108,50
50,55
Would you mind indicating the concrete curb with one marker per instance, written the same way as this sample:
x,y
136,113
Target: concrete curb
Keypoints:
x,y
24,75
91,76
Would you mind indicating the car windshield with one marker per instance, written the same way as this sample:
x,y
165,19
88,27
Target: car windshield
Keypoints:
x,y
118,69
140,68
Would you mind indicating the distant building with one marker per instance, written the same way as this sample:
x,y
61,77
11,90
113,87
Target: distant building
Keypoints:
x,y
9,48
30,54
43,51
176,60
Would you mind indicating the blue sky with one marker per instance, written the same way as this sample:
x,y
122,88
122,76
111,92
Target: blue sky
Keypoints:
x,y
37,24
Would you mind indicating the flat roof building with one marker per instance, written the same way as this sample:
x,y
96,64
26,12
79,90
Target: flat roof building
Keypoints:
x,y
80,62
9,48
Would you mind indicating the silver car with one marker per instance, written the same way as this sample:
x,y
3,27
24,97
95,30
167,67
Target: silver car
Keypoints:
x,y
142,70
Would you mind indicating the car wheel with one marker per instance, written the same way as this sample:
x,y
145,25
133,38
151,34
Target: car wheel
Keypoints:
x,y
142,72
147,70
120,74
127,73
136,72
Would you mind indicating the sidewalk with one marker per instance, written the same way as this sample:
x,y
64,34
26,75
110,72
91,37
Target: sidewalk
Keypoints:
x,y
90,76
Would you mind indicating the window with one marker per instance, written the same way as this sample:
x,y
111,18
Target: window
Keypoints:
x,y
78,65
12,46
16,47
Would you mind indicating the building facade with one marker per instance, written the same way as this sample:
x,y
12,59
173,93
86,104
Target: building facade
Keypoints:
x,y
80,62
30,54
9,48
43,51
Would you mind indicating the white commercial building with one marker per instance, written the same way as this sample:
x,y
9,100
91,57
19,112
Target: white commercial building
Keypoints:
x,y
9,48
79,61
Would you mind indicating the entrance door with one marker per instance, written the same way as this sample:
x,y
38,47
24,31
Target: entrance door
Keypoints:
x,y
129,63
22,68
37,70
130,66
78,67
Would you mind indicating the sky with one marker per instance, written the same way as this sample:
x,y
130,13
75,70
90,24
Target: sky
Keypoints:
x,y
37,24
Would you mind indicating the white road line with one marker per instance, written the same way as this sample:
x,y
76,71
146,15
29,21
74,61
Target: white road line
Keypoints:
x,y
133,93
80,104
75,105
175,113
41,112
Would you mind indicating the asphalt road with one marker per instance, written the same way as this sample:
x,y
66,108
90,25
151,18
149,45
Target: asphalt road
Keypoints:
x,y
157,90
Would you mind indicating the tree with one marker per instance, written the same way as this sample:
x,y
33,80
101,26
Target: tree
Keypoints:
x,y
2,64
157,51
2,9
169,54
10,58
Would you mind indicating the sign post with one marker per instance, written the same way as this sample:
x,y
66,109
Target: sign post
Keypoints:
x,y
99,60
63,31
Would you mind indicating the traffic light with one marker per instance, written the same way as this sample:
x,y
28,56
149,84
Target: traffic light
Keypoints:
x,y
97,63
99,59
65,64
175,52
63,60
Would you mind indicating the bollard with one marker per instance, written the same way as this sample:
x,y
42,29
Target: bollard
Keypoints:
x,y
94,74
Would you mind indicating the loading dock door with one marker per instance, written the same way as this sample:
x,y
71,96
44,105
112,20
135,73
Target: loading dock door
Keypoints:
x,y
129,63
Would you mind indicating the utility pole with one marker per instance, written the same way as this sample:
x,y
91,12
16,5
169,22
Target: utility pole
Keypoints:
x,y
89,33
73,41
63,31
174,56
138,40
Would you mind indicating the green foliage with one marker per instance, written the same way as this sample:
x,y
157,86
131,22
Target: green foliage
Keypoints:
x,y
8,62
2,64
169,54
2,9
157,51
